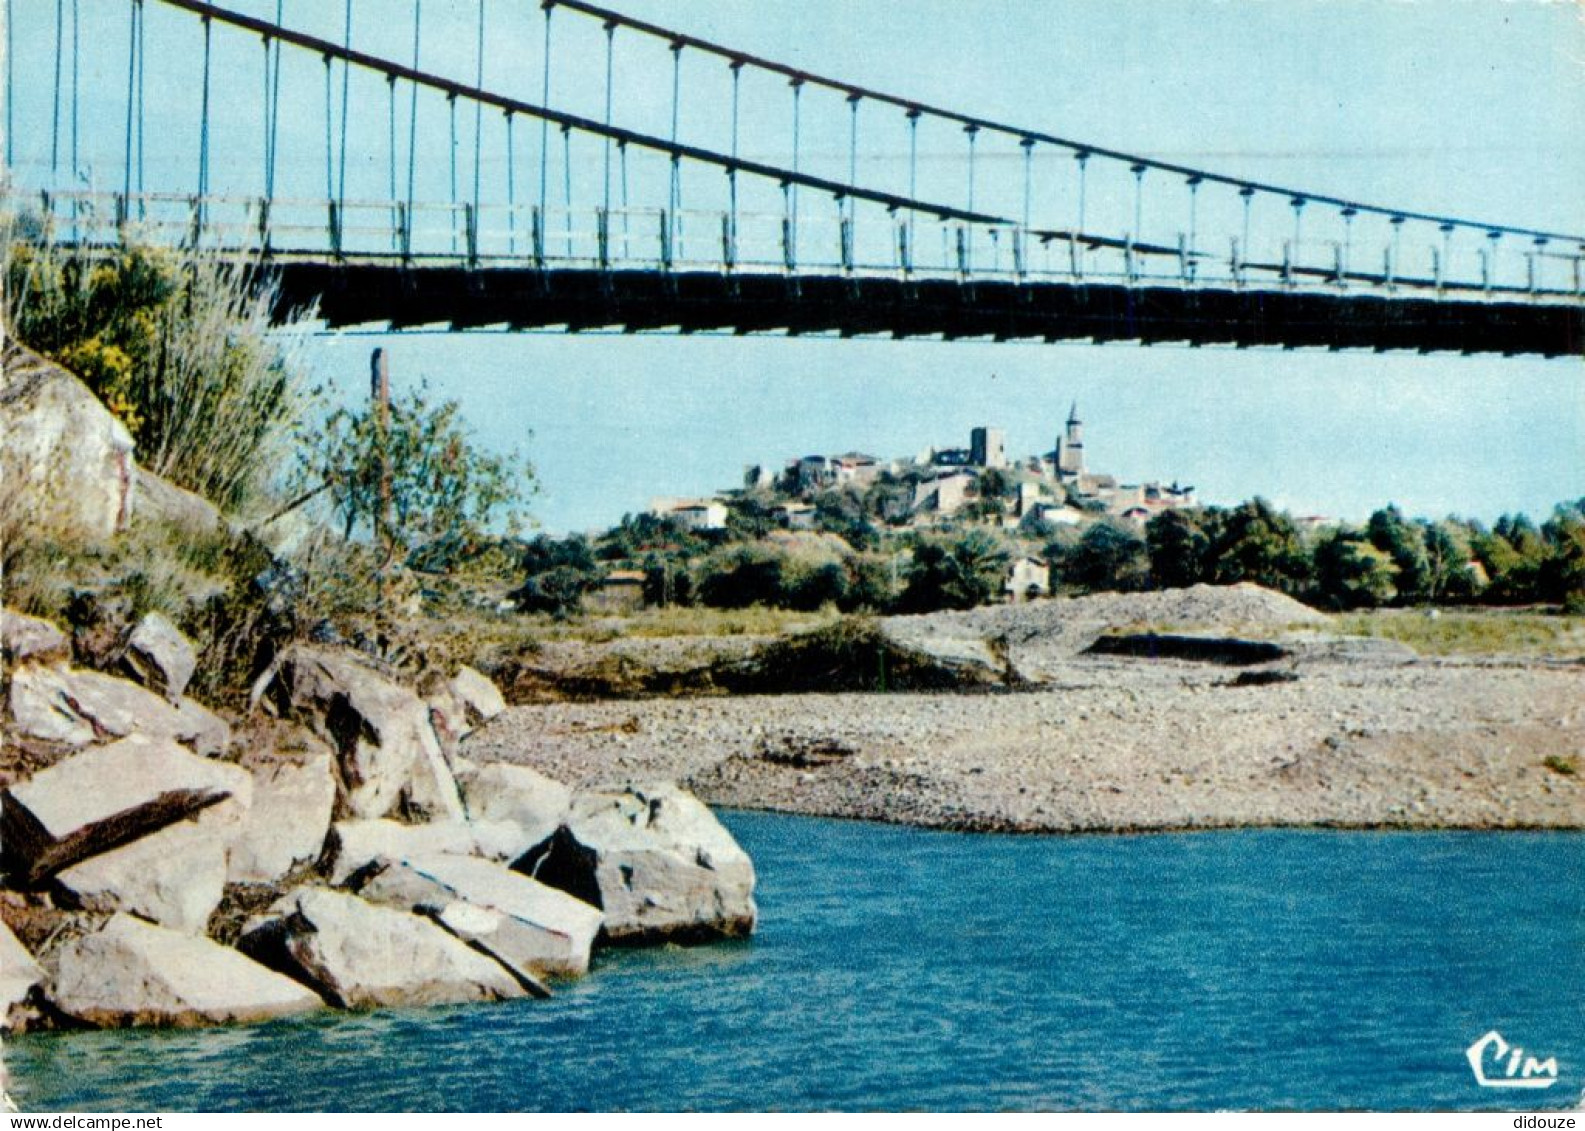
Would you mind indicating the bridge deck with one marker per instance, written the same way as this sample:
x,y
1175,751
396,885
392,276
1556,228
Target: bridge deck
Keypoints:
x,y
351,294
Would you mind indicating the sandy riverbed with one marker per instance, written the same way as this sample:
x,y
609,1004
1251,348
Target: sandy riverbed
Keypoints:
x,y
1359,738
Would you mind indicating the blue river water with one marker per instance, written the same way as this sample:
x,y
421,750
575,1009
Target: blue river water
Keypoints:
x,y
904,969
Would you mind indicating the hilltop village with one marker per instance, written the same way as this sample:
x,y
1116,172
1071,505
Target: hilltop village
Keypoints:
x,y
949,527
945,486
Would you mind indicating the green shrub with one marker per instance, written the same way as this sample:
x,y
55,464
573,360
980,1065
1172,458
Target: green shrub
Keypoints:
x,y
438,491
180,345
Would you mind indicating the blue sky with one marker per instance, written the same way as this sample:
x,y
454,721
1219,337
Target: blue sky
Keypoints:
x,y
1471,107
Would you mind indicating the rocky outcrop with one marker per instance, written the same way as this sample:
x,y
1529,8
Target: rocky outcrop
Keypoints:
x,y
655,861
125,849
174,877
66,465
532,929
293,798
160,657
105,797
28,640
359,955
522,797
388,758
129,972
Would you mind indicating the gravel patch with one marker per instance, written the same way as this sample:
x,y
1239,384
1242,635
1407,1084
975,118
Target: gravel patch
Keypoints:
x,y
1107,744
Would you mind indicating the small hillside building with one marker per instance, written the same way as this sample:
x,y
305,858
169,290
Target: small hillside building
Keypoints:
x,y
619,591
1027,578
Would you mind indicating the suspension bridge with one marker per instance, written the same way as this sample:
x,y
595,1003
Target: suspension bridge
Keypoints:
x,y
355,151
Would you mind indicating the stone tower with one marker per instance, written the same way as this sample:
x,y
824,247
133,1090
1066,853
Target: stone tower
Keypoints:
x,y
1070,462
987,448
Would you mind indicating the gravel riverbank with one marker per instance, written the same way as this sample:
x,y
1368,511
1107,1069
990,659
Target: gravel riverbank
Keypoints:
x,y
1347,734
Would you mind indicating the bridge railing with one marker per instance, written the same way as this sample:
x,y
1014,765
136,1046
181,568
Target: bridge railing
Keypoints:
x,y
828,241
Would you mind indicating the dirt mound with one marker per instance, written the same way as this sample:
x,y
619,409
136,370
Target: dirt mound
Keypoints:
x,y
855,654
1037,636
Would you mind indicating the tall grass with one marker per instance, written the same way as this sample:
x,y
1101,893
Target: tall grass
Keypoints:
x,y
1473,632
181,345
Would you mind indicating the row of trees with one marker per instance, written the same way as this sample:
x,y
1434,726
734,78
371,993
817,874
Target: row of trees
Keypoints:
x,y
1389,560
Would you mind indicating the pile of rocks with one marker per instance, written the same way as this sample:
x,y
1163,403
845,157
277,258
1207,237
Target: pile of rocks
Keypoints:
x,y
337,847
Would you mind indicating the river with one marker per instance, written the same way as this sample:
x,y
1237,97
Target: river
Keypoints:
x,y
901,968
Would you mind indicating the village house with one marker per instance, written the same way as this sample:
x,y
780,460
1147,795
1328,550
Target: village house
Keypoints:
x,y
856,468
1027,578
696,515
945,495
1057,514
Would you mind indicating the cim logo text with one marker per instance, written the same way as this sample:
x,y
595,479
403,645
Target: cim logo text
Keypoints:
x,y
1497,1064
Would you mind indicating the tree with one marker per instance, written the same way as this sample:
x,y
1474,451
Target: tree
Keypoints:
x,y
1562,574
824,584
638,535
557,573
743,576
1260,544
418,467
1178,548
1107,555
841,511
558,590
666,581
1447,556
956,572
890,499
545,552
1513,554
873,583
751,515
1404,543
1353,573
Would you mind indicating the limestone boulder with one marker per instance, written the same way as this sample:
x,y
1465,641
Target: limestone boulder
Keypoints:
x,y
656,861
129,972
20,980
479,698
159,500
294,796
360,955
431,793
354,845
76,707
446,717
533,930
389,759
66,465
159,657
107,796
518,795
38,707
29,640
200,729
174,877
